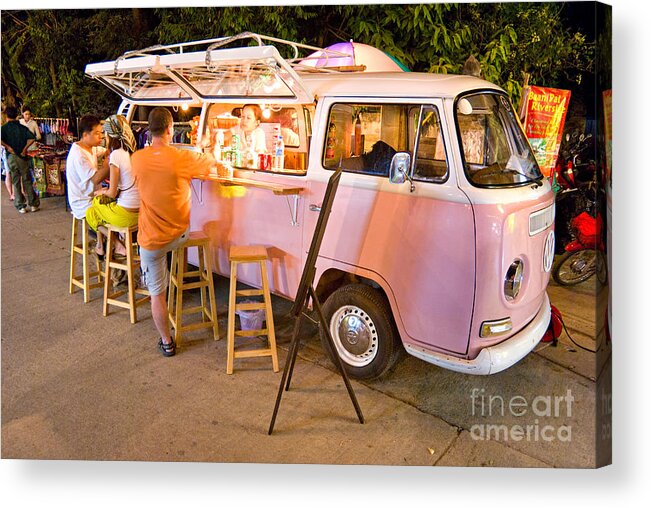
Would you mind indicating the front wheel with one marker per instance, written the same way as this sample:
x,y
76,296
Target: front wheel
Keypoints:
x,y
362,329
575,267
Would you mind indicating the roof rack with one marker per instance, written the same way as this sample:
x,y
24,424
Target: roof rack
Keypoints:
x,y
296,62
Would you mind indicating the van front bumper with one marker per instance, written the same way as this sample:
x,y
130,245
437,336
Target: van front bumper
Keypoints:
x,y
496,358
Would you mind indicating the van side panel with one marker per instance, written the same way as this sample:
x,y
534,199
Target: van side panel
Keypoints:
x,y
421,244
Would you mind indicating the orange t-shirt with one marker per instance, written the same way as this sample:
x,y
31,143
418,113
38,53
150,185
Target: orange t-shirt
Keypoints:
x,y
163,175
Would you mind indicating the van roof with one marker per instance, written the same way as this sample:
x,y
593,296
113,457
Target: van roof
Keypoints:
x,y
398,84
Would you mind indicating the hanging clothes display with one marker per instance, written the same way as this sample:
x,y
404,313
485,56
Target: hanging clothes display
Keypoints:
x,y
141,132
54,130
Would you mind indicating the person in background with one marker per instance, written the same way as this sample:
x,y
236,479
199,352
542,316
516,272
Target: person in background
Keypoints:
x,y
5,173
28,121
83,173
163,175
16,139
252,137
105,209
289,126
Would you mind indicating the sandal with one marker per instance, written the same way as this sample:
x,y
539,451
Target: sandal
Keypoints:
x,y
167,349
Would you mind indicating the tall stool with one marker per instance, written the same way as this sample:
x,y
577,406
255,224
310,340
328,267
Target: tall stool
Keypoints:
x,y
79,247
129,265
178,284
250,254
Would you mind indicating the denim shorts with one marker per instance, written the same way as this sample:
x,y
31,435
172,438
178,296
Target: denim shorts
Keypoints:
x,y
153,264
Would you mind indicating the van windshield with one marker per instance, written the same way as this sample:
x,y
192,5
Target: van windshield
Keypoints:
x,y
495,150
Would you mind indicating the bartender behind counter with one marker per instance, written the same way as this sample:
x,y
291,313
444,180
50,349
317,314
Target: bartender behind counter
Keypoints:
x,y
252,137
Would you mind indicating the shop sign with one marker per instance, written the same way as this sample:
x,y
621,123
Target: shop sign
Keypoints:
x,y
608,129
545,111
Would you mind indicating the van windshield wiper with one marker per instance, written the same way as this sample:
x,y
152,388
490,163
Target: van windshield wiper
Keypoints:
x,y
528,179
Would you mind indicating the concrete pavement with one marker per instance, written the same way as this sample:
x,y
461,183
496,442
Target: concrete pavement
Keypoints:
x,y
76,385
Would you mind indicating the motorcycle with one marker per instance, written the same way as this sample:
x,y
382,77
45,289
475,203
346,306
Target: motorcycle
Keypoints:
x,y
579,222
575,166
584,255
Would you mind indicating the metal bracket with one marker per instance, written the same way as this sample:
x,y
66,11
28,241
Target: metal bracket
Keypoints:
x,y
293,210
199,196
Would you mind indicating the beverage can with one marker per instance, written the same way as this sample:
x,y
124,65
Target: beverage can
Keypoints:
x,y
264,161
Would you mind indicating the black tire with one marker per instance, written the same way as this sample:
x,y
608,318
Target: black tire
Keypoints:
x,y
370,345
602,268
575,267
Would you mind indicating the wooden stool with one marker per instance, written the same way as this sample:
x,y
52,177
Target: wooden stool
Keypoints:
x,y
178,284
80,247
250,254
132,262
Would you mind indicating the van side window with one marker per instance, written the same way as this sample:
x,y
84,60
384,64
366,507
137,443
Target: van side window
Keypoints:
x,y
365,137
431,163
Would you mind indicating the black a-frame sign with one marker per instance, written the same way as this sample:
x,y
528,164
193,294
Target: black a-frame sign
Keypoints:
x,y
306,291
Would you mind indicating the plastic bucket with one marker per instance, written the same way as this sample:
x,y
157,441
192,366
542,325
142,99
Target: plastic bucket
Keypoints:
x,y
251,319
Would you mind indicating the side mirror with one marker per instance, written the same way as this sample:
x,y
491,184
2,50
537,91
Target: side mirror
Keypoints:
x,y
399,169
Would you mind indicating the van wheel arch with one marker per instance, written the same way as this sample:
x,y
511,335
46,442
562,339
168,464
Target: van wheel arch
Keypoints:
x,y
332,279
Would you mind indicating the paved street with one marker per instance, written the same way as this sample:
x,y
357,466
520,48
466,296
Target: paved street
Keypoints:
x,y
76,385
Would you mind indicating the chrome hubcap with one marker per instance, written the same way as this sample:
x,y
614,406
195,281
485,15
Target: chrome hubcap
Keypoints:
x,y
355,335
581,265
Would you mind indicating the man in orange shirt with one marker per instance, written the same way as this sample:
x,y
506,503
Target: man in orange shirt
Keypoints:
x,y
163,175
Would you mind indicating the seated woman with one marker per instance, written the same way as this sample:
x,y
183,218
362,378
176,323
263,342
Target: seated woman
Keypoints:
x,y
252,137
105,209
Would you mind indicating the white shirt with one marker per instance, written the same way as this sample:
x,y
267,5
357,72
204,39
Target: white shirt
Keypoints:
x,y
32,125
129,196
290,138
254,140
81,166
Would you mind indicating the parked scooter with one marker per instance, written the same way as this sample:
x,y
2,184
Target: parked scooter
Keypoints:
x,y
578,220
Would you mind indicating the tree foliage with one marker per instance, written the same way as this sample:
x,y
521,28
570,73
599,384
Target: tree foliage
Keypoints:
x,y
44,52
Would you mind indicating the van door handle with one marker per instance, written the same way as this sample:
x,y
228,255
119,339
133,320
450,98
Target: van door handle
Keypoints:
x,y
315,208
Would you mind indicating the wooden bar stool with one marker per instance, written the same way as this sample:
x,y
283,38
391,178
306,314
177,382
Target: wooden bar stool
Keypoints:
x,y
129,266
80,247
178,284
250,254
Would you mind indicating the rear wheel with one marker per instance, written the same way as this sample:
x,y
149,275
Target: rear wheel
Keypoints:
x,y
575,267
602,267
363,331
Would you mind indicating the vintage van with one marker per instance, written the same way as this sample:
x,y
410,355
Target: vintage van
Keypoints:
x,y
441,236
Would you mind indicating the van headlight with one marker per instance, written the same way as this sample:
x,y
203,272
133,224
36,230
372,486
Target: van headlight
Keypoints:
x,y
513,279
492,328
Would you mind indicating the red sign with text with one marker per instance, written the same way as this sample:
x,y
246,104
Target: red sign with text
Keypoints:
x,y
544,119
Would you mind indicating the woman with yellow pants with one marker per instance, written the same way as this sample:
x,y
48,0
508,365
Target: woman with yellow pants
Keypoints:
x,y
105,209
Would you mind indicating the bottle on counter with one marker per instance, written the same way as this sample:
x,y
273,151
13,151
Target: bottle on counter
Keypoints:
x,y
235,147
279,153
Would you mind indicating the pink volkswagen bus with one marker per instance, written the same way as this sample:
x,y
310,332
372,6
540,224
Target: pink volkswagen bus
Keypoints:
x,y
441,236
